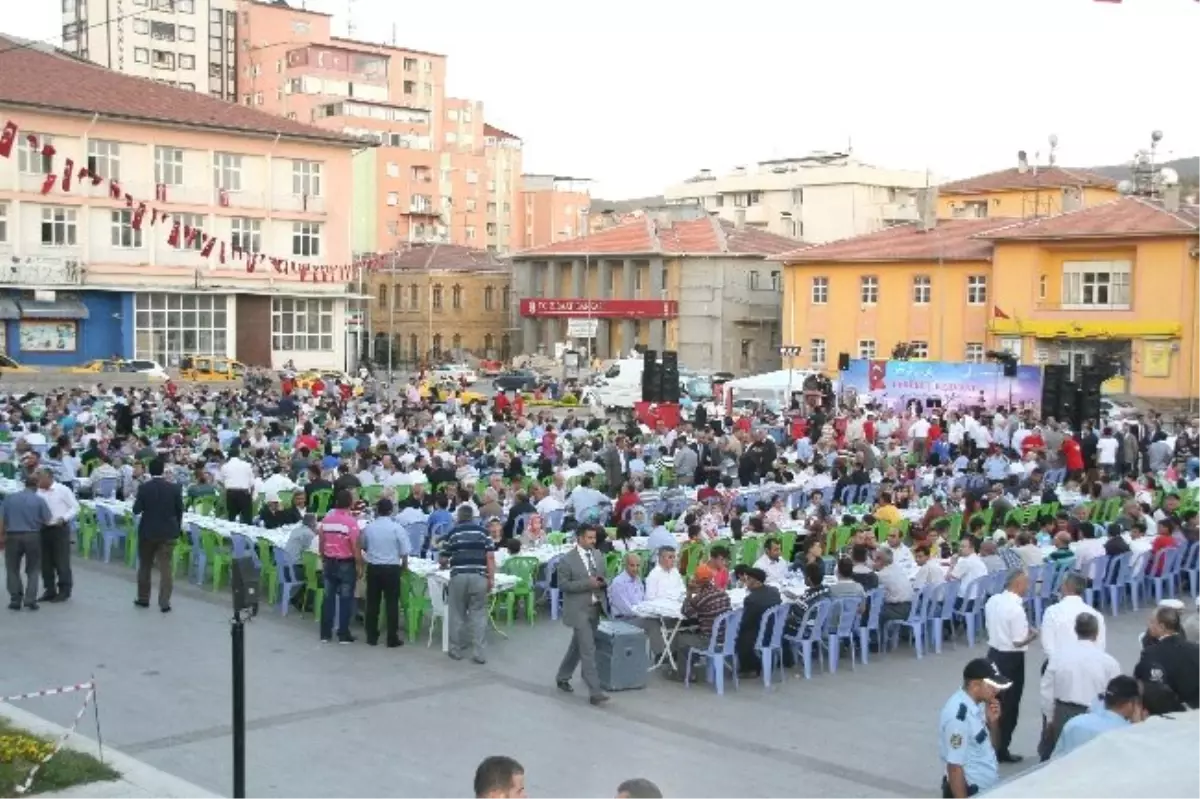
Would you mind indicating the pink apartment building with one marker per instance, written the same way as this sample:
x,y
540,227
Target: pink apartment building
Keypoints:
x,y
84,274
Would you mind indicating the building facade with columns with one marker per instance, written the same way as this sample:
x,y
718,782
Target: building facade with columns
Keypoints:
x,y
677,279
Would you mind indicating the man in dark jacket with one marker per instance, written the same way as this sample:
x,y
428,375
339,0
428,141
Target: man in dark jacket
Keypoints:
x,y
160,504
1170,665
760,598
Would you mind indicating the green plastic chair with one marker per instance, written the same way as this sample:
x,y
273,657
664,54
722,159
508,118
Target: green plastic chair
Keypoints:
x,y
131,539
414,597
612,564
270,576
205,505
787,546
372,493
181,554
556,539
88,530
313,584
219,553
693,552
748,553
321,500
525,569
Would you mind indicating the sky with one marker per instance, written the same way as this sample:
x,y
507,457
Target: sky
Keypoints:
x,y
640,94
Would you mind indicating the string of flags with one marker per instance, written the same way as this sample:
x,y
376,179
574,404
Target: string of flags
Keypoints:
x,y
178,233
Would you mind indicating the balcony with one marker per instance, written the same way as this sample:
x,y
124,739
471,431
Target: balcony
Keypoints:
x,y
303,203
40,270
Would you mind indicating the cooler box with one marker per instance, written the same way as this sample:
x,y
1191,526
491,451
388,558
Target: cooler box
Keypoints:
x,y
622,656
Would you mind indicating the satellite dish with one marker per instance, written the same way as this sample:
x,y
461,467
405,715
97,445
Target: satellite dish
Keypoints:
x,y
1125,187
1156,136
1168,176
1053,139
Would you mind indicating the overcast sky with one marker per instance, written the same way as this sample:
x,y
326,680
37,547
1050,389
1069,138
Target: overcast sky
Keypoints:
x,y
638,94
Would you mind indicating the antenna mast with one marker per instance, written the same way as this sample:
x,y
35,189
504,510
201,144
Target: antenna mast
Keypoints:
x,y
349,19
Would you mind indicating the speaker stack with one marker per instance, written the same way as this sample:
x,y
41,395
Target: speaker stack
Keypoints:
x,y
1054,380
651,377
1089,394
670,376
843,361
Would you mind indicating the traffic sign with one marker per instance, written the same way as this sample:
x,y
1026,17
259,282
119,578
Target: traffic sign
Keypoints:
x,y
790,352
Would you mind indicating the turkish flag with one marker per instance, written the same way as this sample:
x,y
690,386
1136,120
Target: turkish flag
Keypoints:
x,y
876,374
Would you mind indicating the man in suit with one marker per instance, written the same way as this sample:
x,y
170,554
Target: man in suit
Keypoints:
x,y
160,504
615,465
581,579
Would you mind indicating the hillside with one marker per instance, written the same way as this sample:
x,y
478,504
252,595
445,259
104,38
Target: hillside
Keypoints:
x,y
1188,169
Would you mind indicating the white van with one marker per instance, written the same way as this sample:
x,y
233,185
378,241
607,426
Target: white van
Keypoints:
x,y
621,384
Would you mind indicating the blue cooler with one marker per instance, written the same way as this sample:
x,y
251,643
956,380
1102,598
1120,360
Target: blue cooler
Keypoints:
x,y
622,656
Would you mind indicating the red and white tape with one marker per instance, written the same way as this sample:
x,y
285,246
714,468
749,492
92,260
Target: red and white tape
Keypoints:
x,y
65,689
87,700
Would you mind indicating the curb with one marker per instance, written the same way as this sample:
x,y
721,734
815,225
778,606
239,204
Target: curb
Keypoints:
x,y
144,777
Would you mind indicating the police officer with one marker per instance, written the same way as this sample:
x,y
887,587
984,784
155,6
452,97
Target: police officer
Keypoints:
x,y
1169,667
968,729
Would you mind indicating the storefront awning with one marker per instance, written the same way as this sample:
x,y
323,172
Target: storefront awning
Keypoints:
x,y
8,309
63,308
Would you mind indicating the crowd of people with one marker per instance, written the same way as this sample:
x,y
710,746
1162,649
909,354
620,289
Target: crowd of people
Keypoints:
x,y
718,502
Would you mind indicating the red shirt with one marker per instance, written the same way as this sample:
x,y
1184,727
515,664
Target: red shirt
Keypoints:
x,y
705,493
318,386
627,500
519,405
743,424
1033,441
1160,543
935,432
171,389
308,441
286,386
501,403
346,392
869,431
1074,455
720,578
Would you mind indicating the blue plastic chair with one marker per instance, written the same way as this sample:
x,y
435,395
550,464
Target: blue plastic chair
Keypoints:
x,y
970,608
1190,566
105,488
417,531
871,625
1044,597
1117,579
1163,572
915,623
716,657
849,493
1054,477
941,611
849,616
1095,573
243,546
553,521
812,631
289,579
769,640
199,559
866,494
110,530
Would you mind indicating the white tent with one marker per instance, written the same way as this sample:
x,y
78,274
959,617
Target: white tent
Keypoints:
x,y
777,380
1155,758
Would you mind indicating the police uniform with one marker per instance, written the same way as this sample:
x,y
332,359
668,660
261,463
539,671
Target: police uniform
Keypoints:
x,y
1170,672
963,740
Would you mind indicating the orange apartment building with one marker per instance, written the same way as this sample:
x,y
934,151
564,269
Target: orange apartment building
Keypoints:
x,y
440,172
554,208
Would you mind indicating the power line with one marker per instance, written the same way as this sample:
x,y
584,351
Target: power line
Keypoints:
x,y
52,40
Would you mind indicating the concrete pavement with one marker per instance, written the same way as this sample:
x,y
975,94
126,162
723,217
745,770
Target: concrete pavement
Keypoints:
x,y
328,720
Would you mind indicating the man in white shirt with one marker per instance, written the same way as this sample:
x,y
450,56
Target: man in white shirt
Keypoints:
x,y
929,571
897,588
1076,675
276,483
1106,453
664,580
1088,548
1139,547
1058,622
969,567
918,432
902,556
238,478
770,562
1009,635
56,538
583,498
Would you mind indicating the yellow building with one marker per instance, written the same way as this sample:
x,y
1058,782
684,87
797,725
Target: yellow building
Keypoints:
x,y
1110,282
1026,192
441,302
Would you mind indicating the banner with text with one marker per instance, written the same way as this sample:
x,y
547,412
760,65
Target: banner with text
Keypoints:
x,y
896,384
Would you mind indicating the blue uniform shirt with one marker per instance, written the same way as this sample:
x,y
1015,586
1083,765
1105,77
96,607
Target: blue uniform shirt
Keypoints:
x,y
963,740
1085,727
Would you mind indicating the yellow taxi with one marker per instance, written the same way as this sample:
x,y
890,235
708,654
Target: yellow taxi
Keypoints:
x,y
100,365
306,379
448,387
8,365
210,369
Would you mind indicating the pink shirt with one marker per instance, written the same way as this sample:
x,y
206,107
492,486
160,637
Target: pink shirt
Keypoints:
x,y
340,532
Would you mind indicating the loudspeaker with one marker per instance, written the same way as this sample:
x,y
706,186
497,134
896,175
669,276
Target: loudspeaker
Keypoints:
x,y
1010,368
843,361
651,377
244,581
1054,377
1089,394
670,376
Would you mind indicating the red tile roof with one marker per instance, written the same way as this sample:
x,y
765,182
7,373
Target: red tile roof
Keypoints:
x,y
37,77
707,236
446,257
1121,218
1013,179
489,130
949,240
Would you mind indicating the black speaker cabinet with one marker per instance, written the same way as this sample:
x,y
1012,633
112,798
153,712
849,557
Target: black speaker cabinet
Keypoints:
x,y
843,361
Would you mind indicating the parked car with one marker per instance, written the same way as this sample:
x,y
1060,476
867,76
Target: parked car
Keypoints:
x,y
516,380
147,367
455,371
1115,409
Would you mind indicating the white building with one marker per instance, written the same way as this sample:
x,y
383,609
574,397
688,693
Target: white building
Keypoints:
x,y
189,44
821,197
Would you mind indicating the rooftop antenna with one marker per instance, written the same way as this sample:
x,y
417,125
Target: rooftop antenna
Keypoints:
x,y
349,19
1053,146
1148,180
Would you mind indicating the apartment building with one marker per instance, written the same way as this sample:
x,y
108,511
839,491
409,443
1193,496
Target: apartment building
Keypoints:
x,y
90,275
554,208
189,44
818,198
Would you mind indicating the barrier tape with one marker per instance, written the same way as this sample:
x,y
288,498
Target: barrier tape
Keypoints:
x,y
24,787
66,689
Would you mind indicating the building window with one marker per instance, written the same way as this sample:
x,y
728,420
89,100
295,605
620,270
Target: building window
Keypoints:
x,y
397,297
505,297
414,347
816,353
820,290
437,345
869,290
866,348
922,289
414,297
162,59
301,324
1042,287
187,61
123,234
190,222
246,234
974,352
456,343
3,223
306,239
1096,284
30,160
456,298
141,55
187,34
489,298
306,178
976,289
436,302
169,326
58,226
469,232
141,25
383,296
776,280
168,166
753,279
505,347
747,353
918,350
104,158
227,171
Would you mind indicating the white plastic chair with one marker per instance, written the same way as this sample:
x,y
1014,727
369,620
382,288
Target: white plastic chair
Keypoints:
x,y
437,599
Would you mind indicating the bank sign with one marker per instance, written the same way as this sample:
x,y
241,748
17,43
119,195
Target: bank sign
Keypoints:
x,y
600,309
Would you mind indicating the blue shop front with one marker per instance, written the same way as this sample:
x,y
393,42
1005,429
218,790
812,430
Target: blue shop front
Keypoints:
x,y
65,328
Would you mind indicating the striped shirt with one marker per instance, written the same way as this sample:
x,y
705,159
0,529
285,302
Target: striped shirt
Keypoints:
x,y
467,548
705,606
